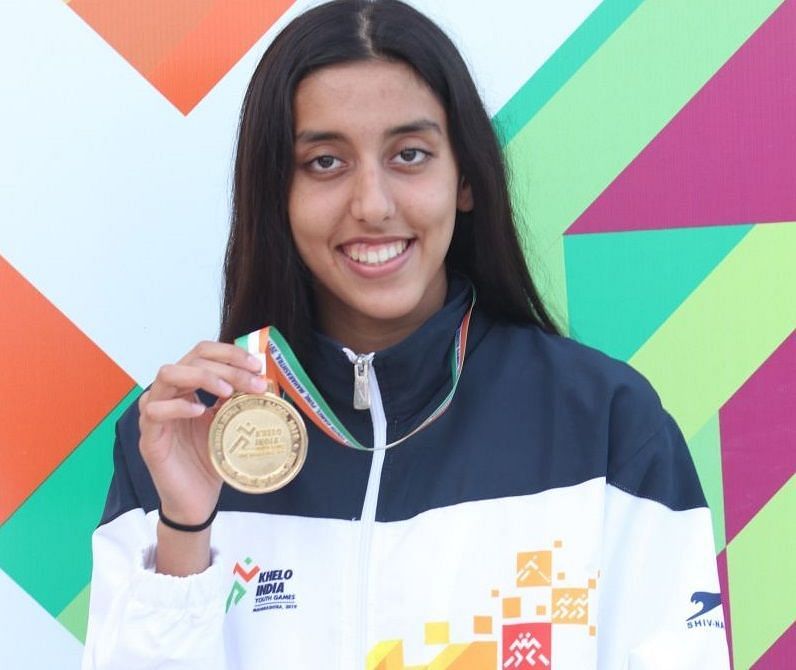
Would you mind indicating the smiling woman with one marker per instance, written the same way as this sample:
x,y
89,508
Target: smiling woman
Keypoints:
x,y
502,475
374,199
405,80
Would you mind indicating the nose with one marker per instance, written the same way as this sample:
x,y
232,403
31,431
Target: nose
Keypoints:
x,y
372,201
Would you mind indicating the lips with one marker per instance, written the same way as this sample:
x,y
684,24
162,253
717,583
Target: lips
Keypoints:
x,y
374,254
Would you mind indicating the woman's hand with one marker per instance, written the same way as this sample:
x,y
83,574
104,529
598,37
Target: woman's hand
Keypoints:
x,y
174,425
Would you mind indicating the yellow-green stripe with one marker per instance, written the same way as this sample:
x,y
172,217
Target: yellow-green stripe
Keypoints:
x,y
726,328
565,61
760,570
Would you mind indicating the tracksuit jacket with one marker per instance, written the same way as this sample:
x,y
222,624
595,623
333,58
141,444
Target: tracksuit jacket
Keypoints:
x,y
550,518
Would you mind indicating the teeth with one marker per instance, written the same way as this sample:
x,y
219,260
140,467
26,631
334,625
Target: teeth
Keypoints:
x,y
375,255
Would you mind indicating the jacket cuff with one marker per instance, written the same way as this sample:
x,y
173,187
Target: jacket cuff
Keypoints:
x,y
159,590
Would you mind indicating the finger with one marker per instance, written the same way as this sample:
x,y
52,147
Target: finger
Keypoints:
x,y
241,380
222,352
161,411
149,430
178,380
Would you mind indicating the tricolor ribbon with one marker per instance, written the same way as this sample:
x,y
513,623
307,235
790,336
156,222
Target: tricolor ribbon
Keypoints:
x,y
281,365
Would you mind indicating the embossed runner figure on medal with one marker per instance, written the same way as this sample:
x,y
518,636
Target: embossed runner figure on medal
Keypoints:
x,y
258,443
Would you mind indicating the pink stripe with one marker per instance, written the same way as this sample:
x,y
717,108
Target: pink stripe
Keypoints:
x,y
781,654
727,157
758,437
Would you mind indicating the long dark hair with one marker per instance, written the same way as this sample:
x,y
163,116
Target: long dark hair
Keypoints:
x,y
266,282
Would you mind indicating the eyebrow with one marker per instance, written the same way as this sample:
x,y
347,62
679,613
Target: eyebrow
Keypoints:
x,y
419,126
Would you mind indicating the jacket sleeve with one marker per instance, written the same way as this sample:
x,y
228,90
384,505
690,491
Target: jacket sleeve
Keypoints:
x,y
139,619
660,603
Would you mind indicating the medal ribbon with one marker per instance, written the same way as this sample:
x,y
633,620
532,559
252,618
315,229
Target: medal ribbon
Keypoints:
x,y
280,362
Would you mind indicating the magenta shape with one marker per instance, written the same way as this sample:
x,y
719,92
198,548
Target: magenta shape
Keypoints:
x,y
724,585
727,157
781,655
758,437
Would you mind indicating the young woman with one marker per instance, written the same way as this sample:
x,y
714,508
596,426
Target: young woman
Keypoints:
x,y
543,510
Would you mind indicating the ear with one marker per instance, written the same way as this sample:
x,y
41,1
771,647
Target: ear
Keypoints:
x,y
464,196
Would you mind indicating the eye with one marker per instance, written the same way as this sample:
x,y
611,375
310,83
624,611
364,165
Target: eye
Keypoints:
x,y
412,156
324,163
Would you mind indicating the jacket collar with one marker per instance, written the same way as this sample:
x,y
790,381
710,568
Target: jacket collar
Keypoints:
x,y
411,374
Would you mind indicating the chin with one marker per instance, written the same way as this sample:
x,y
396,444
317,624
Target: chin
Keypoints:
x,y
389,310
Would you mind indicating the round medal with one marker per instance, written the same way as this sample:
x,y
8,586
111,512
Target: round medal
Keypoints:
x,y
258,443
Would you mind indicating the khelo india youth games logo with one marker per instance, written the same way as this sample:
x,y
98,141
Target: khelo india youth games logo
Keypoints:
x,y
272,588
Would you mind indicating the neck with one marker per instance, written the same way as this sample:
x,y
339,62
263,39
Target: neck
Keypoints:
x,y
362,333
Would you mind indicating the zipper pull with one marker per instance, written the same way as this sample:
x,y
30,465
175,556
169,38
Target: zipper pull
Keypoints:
x,y
361,364
361,383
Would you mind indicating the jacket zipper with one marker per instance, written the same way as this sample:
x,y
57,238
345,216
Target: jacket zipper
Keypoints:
x,y
368,518
362,366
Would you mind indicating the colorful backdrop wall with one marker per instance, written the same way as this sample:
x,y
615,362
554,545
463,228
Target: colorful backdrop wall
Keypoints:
x,y
653,148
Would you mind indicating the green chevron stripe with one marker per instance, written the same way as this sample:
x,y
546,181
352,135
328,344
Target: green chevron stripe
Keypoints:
x,y
610,109
705,448
45,546
564,62
726,328
760,570
74,617
638,278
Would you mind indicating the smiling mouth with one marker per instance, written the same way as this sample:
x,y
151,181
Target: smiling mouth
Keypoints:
x,y
375,254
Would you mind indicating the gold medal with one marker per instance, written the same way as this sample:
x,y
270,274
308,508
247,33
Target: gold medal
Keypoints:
x,y
258,443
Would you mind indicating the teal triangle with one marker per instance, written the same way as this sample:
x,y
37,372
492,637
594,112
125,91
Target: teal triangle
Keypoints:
x,y
45,546
622,286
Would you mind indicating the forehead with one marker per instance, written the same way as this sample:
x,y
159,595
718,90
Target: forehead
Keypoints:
x,y
367,95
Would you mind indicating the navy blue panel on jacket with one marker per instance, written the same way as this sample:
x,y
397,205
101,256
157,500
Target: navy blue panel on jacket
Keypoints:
x,y
564,415
554,413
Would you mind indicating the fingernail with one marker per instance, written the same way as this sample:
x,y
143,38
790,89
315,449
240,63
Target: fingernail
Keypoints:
x,y
254,362
258,384
224,387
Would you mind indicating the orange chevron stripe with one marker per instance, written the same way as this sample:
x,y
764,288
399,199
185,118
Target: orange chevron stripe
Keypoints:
x,y
143,31
182,47
57,386
195,65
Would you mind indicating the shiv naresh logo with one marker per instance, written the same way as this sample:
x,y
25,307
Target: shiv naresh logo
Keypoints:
x,y
707,602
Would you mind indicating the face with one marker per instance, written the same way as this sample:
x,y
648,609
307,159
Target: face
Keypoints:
x,y
374,194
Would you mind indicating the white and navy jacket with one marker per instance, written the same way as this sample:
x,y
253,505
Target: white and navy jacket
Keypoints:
x,y
551,518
